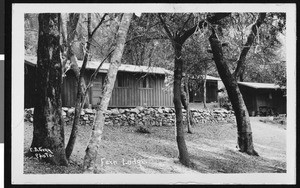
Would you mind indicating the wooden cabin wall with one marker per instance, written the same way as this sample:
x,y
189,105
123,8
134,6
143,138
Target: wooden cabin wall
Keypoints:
x,y
249,96
211,92
279,101
69,89
255,98
130,96
133,94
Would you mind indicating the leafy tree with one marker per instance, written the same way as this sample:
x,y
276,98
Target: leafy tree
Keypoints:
x,y
48,124
31,33
198,63
178,28
146,45
267,51
245,141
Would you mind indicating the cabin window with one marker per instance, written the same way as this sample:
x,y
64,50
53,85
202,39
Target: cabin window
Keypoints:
x,y
145,82
122,80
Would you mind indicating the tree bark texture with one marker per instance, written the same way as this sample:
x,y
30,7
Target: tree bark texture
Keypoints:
x,y
48,123
204,86
185,102
95,140
69,30
183,152
245,141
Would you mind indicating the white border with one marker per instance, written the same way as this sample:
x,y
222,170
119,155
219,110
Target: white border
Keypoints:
x,y
18,177
1,165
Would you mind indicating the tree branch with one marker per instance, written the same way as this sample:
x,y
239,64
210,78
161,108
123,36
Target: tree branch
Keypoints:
x,y
213,19
165,27
99,24
89,25
93,76
250,40
182,28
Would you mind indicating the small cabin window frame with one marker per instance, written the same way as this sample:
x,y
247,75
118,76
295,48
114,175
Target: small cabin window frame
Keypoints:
x,y
122,80
145,83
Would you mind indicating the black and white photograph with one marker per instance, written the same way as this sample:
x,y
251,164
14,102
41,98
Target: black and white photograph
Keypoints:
x,y
153,93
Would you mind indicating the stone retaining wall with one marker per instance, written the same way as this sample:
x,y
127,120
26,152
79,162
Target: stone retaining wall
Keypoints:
x,y
143,116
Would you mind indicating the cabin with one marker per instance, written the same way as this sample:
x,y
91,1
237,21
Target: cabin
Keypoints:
x,y
134,86
212,87
263,98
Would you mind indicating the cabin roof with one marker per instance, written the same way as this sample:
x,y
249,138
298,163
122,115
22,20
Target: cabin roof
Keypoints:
x,y
260,85
208,77
32,60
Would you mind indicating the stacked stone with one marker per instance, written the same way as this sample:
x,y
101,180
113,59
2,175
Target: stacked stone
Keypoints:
x,y
142,116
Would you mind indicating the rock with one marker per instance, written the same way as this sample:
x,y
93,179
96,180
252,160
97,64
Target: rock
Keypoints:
x,y
31,110
82,113
183,110
70,111
135,110
63,113
151,109
160,110
140,108
121,111
108,112
89,111
31,119
168,110
65,109
114,111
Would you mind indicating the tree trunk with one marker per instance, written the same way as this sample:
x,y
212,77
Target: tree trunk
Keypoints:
x,y
204,87
245,141
68,32
183,152
90,157
48,132
78,104
185,103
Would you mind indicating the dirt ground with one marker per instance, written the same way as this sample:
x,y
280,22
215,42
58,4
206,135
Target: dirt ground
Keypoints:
x,y
212,149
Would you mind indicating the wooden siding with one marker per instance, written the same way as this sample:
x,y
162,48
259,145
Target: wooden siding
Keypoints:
x,y
255,98
211,92
130,96
69,89
134,95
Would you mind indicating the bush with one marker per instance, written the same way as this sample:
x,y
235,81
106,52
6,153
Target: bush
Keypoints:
x,y
141,129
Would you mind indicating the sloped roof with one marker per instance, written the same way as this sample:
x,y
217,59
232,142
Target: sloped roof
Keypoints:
x,y
208,77
260,85
124,67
